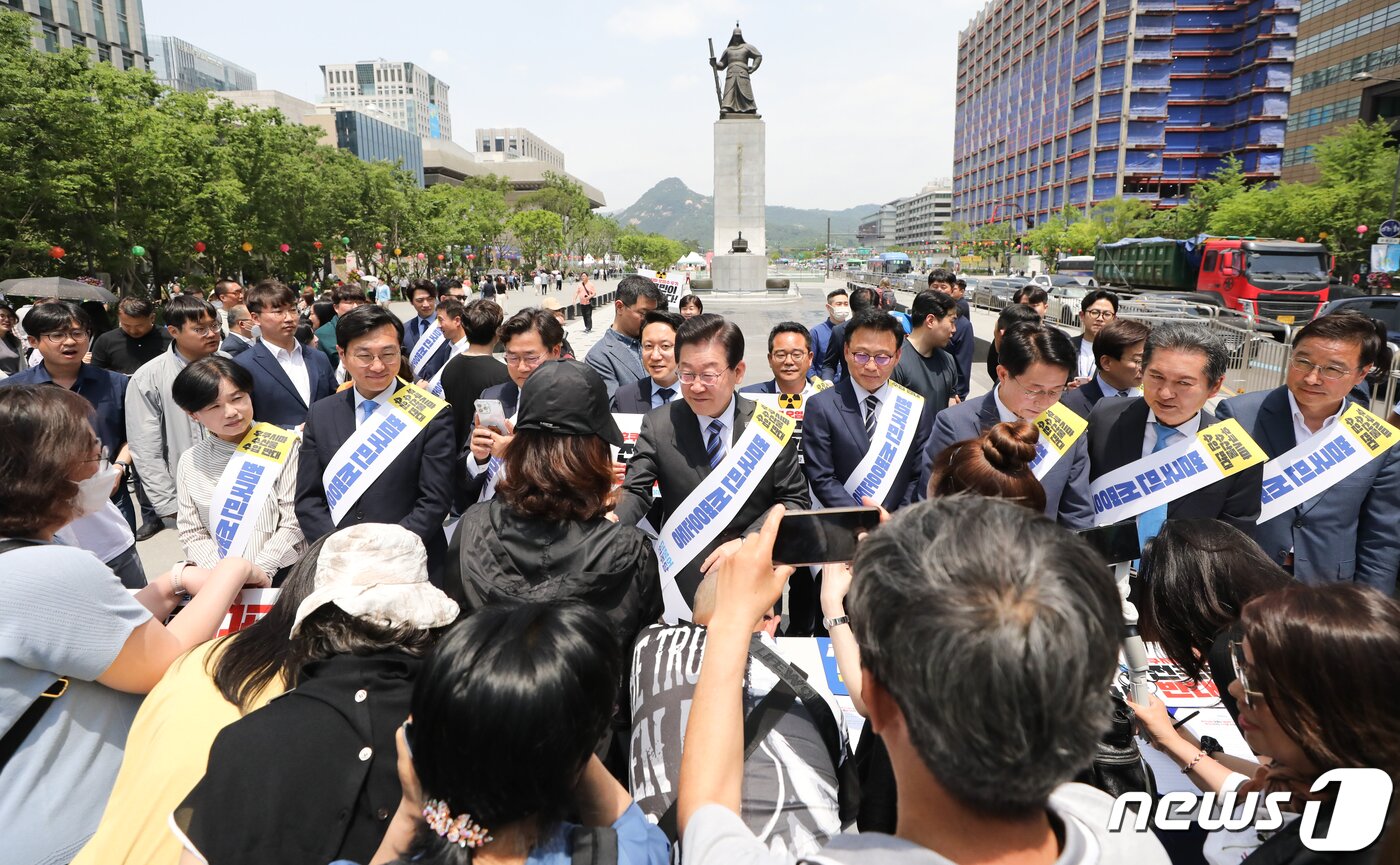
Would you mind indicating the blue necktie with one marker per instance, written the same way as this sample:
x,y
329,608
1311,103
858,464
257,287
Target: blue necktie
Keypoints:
x,y
366,409
714,450
1149,523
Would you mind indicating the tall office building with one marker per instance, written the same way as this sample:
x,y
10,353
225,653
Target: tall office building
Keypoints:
x,y
402,94
181,66
919,219
516,143
113,31
1072,103
1338,41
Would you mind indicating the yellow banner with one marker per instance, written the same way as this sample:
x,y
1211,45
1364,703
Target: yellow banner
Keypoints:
x,y
773,423
1060,427
419,405
1372,433
268,442
1230,447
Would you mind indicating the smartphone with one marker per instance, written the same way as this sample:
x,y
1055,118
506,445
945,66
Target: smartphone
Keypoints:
x,y
491,414
1116,543
821,536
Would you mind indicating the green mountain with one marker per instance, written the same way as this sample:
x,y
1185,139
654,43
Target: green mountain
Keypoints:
x,y
671,209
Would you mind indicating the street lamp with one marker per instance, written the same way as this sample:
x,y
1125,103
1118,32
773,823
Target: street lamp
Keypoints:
x,y
1395,187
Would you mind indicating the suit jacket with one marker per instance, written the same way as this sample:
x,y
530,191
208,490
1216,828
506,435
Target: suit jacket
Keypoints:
x,y
833,362
275,398
233,346
412,329
671,453
415,491
834,443
769,386
1082,399
1117,426
1345,534
635,397
1067,499
437,361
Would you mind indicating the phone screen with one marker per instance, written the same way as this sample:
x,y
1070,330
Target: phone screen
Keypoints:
x,y
1116,543
820,536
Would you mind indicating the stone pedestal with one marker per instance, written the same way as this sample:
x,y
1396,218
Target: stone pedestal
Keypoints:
x,y
739,204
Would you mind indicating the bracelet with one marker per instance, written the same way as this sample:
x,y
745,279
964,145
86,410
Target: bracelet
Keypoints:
x,y
1186,770
175,571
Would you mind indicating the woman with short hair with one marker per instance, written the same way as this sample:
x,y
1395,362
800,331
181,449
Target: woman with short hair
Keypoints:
x,y
218,394
691,306
77,650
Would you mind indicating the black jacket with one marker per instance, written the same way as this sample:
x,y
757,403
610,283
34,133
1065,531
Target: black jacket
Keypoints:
x,y
310,777
497,555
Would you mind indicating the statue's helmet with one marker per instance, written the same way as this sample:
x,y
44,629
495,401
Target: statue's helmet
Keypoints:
x,y
738,37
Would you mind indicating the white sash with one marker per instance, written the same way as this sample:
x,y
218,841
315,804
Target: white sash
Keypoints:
x,y
1060,427
895,427
435,383
246,482
1216,452
375,444
424,348
712,505
1324,460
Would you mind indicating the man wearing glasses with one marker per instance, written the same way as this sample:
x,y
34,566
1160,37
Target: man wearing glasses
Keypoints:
x,y
1183,367
1346,531
790,358
158,430
860,416
683,443
530,337
414,488
1033,370
1097,309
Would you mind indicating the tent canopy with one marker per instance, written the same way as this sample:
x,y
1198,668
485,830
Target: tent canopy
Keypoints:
x,y
692,258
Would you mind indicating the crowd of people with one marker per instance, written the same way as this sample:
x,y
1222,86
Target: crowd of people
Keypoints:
x,y
528,605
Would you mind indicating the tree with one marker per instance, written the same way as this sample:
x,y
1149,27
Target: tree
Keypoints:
x,y
536,233
654,250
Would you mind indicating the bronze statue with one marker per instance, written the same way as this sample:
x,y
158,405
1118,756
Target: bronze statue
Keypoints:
x,y
737,97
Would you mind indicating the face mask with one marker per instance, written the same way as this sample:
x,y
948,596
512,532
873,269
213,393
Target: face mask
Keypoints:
x,y
841,313
94,492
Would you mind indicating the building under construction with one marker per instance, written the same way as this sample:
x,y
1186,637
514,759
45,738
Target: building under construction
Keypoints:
x,y
1070,103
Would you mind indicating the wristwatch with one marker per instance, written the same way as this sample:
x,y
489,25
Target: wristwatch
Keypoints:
x,y
125,465
1211,746
175,571
839,620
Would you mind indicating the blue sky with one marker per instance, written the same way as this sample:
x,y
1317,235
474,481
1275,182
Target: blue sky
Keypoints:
x,y
858,98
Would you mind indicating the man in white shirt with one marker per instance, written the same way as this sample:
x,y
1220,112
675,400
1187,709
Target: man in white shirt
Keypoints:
x,y
1096,310
287,378
975,782
451,318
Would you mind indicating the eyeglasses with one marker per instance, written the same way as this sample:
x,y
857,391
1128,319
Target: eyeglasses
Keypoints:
x,y
59,336
523,359
861,358
1100,313
782,356
1330,373
708,379
388,358
201,329
1052,393
1237,659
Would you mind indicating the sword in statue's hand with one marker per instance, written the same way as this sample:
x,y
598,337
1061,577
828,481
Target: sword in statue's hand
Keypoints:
x,y
714,68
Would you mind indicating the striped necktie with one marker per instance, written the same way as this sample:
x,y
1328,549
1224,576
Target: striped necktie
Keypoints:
x,y
714,449
872,409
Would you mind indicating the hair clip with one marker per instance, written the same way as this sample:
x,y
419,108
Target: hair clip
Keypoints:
x,y
461,830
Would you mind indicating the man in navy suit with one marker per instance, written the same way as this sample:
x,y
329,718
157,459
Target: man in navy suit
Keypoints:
x,y
1034,365
659,358
1119,346
1183,367
415,491
287,376
240,331
840,424
423,295
1348,532
790,356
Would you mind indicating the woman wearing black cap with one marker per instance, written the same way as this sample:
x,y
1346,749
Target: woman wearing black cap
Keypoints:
x,y
544,536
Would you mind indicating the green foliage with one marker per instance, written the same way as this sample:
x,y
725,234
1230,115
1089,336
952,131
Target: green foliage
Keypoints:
x,y
536,233
653,250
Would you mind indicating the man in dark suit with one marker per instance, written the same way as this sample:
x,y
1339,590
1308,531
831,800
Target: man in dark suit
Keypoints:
x,y
240,331
423,295
415,491
790,358
1346,533
680,444
1034,365
838,424
659,359
1183,367
1119,372
287,376
531,337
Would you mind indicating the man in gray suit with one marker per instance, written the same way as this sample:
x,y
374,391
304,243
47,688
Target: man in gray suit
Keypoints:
x,y
1346,533
618,355
1035,364
682,442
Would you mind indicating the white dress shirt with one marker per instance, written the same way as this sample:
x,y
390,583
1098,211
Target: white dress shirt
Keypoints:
x,y
656,400
1149,436
1301,433
1004,414
1087,365
725,437
293,363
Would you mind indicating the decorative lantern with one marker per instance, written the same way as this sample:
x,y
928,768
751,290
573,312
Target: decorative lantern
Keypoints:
x,y
1362,229
378,245
285,248
398,251
422,256
344,241
441,256
317,244
199,246
247,247
138,250
56,252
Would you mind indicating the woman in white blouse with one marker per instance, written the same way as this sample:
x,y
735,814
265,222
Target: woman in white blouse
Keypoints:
x,y
217,393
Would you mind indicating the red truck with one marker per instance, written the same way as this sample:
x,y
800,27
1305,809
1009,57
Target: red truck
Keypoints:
x,y
1279,279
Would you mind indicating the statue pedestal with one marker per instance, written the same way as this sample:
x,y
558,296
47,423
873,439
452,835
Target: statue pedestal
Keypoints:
x,y
739,203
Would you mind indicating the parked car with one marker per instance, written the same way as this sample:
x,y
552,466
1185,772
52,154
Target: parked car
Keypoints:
x,y
1385,307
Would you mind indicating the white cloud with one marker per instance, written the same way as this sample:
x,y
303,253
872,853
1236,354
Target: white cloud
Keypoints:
x,y
587,87
439,57
653,22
